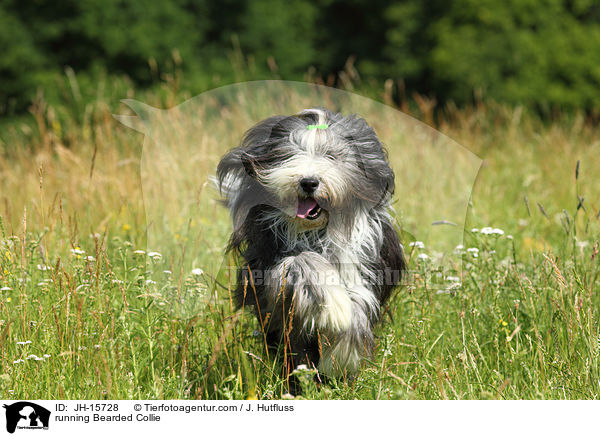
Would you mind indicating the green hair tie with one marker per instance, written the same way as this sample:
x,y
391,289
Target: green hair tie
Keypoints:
x,y
316,126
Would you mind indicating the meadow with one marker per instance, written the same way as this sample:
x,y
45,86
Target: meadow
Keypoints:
x,y
114,283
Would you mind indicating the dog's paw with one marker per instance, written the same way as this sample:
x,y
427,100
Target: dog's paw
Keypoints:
x,y
342,357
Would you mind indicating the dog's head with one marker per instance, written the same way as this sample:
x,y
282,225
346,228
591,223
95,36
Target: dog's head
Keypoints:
x,y
306,170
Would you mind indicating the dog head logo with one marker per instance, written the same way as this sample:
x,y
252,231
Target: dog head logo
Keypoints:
x,y
26,415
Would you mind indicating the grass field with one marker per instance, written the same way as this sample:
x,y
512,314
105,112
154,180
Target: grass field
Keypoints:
x,y
107,293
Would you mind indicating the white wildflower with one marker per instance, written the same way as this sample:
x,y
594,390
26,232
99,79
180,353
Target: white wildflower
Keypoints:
x,y
33,356
5,288
422,256
42,267
417,244
77,250
155,255
24,343
474,230
474,251
492,231
197,272
90,258
449,290
139,252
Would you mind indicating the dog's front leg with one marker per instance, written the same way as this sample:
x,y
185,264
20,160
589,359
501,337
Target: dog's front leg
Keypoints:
x,y
315,293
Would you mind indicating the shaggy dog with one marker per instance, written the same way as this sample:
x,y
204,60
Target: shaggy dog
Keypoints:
x,y
309,197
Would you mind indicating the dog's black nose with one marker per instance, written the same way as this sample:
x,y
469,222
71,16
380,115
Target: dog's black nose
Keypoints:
x,y
309,184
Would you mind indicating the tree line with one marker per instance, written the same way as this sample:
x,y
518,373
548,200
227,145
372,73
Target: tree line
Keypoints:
x,y
541,53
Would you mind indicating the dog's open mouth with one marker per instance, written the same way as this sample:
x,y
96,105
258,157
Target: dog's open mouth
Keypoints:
x,y
308,208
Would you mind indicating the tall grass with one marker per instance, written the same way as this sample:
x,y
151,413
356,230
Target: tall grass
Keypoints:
x,y
92,305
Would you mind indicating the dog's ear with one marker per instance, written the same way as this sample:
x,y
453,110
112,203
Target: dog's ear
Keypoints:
x,y
385,182
248,164
389,183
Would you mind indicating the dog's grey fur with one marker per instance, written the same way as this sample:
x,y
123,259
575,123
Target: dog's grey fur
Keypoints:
x,y
318,284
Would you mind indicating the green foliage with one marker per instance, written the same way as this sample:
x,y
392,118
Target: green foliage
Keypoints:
x,y
545,54
20,58
284,34
519,51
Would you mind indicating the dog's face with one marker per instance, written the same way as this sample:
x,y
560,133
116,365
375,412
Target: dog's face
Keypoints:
x,y
309,167
309,176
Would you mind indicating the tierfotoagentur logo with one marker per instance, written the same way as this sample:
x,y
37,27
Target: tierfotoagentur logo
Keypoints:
x,y
25,415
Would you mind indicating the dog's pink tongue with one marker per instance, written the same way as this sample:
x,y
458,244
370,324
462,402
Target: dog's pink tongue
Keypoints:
x,y
305,206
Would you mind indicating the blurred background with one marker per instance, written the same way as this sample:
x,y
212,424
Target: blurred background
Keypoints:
x,y
543,54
